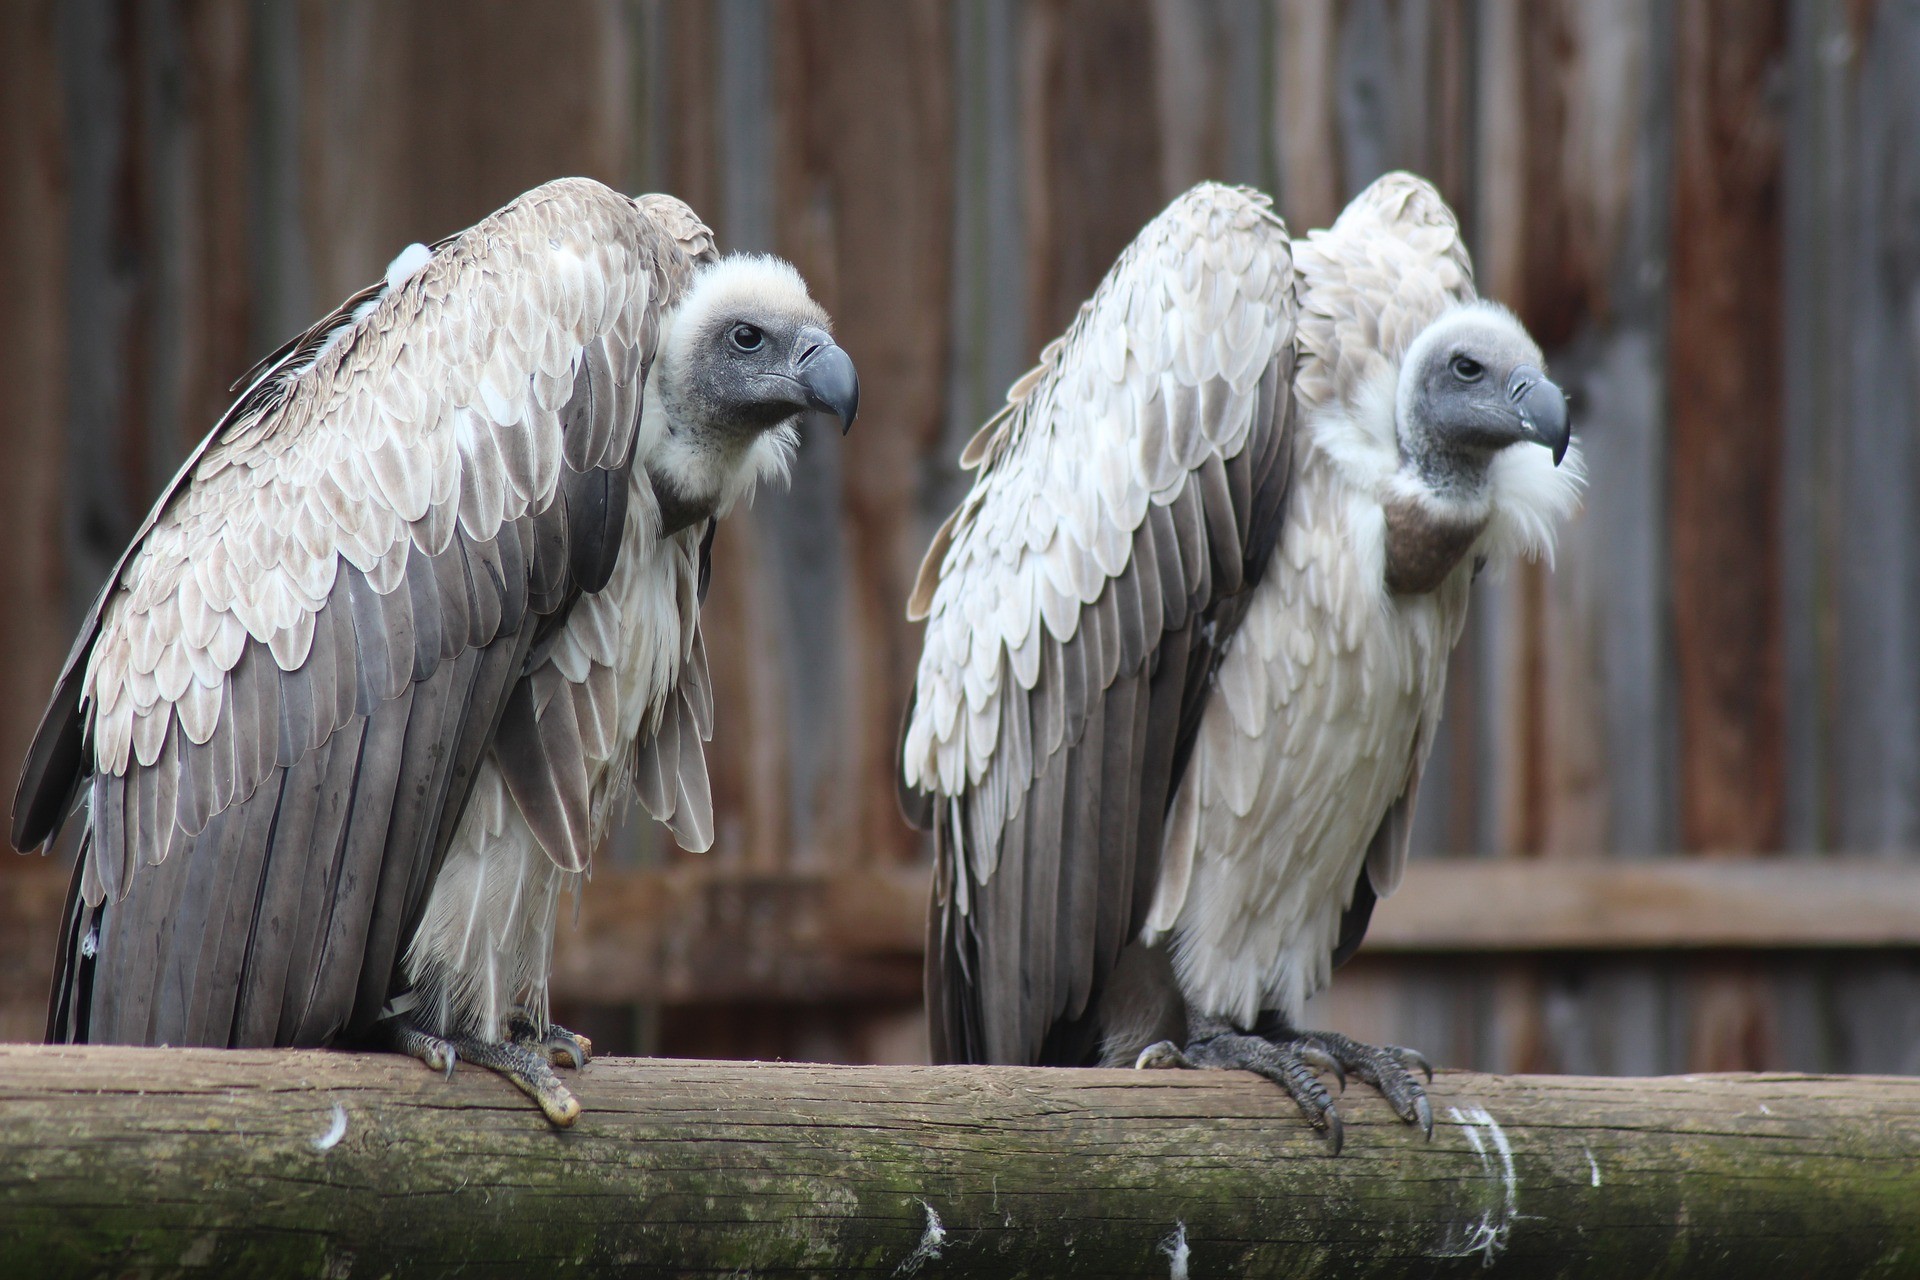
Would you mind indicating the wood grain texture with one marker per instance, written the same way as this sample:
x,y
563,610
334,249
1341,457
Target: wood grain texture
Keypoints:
x,y
243,1163
33,267
1093,149
1725,385
866,89
174,173
705,933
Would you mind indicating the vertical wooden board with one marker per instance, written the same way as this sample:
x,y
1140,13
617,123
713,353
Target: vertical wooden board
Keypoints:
x,y
106,438
1212,83
1306,145
1555,120
1724,384
989,343
1093,167
865,172
34,333
280,263
1606,724
1877,714
353,146
1819,149
414,127
216,321
1875,565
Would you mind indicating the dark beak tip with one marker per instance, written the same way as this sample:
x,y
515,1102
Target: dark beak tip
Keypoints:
x,y
832,384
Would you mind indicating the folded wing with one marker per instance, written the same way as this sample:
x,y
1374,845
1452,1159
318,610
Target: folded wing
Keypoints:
x,y
276,708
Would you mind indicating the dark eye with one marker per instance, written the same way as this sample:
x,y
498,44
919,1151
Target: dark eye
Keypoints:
x,y
1467,369
746,337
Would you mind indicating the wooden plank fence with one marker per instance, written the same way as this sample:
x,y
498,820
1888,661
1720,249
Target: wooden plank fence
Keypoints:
x,y
1708,210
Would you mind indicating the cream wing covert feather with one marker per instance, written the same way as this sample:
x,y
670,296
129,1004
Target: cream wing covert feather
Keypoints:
x,y
1126,498
316,642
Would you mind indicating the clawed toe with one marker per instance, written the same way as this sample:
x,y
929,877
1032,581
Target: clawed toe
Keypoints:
x,y
560,1047
530,1071
1411,1059
527,1067
1161,1056
1295,1060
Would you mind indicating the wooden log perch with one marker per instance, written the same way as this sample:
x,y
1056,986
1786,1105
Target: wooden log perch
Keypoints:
x,y
210,1163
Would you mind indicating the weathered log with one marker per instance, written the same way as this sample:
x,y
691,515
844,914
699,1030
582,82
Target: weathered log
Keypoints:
x,y
204,1162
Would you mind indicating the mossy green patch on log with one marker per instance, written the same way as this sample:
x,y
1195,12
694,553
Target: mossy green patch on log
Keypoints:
x,y
210,1163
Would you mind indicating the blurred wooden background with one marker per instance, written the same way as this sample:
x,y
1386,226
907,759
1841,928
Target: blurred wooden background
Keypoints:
x,y
1675,819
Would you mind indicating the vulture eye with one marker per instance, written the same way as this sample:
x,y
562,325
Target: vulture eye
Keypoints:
x,y
746,337
1467,369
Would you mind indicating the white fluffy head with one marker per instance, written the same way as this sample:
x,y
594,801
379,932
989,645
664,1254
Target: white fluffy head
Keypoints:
x,y
1524,495
698,434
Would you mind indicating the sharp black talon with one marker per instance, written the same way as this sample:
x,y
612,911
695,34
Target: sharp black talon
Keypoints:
x,y
453,1060
1412,1057
1334,1132
1423,1113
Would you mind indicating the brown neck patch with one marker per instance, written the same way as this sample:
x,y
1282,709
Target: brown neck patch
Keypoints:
x,y
1424,545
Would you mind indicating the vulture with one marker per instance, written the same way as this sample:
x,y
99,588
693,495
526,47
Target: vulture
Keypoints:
x,y
384,662
1187,637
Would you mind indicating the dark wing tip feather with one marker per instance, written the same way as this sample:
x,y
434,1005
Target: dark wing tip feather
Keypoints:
x,y
916,806
50,777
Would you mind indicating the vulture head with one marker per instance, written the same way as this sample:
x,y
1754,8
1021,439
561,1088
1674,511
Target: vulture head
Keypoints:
x,y
1471,405
1470,386
745,356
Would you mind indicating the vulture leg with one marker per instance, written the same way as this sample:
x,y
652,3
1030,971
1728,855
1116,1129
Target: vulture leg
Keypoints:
x,y
562,1047
527,1067
1295,1059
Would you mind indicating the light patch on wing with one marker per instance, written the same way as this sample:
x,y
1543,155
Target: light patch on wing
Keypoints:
x,y
1159,372
407,264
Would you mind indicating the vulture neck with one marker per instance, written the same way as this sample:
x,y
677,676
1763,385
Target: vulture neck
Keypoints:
x,y
698,467
1426,538
1433,520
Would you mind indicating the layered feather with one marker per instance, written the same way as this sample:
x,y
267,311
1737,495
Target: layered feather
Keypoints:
x,y
385,573
1165,693
1129,490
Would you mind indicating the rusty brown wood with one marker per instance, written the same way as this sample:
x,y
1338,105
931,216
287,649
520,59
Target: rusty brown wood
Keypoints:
x,y
866,108
33,319
1724,386
1093,146
713,933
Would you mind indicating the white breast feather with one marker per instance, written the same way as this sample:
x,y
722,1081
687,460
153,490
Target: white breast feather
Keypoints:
x,y
485,943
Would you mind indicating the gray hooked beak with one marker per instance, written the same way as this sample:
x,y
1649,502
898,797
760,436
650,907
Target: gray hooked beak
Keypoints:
x,y
826,373
1542,407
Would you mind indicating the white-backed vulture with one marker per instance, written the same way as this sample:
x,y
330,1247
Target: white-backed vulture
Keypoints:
x,y
1187,636
383,664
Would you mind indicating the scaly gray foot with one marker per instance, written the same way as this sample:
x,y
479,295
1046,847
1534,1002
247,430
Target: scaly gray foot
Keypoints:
x,y
528,1068
1295,1060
